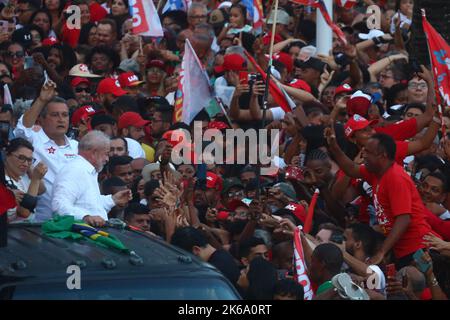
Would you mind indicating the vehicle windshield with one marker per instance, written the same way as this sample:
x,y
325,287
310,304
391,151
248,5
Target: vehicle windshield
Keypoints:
x,y
127,289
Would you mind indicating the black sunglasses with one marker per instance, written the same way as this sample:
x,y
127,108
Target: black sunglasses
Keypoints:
x,y
81,89
6,108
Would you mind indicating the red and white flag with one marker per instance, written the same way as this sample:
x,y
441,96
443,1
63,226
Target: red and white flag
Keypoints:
x,y
194,92
346,3
301,274
146,21
319,4
440,62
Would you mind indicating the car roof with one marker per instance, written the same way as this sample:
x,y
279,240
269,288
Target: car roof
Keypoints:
x,y
30,253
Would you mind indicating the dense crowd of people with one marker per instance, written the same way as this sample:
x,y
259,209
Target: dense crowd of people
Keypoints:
x,y
88,121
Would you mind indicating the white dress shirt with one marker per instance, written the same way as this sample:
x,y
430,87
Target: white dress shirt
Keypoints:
x,y
52,155
76,191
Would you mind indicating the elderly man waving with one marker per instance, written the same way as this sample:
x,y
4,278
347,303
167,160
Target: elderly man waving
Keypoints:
x,y
76,191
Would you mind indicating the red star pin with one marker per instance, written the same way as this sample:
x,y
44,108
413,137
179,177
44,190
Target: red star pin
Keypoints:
x,y
51,150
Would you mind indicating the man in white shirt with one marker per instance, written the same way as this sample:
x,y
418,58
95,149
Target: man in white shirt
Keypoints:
x,y
76,191
51,145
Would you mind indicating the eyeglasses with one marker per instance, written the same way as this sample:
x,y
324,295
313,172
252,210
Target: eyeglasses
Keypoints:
x,y
23,159
385,76
416,85
155,70
6,108
81,89
18,54
203,16
236,194
22,10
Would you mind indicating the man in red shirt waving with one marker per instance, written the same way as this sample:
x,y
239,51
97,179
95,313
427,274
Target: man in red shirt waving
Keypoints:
x,y
399,209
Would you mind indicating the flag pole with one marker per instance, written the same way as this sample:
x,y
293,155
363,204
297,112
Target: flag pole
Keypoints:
x,y
266,91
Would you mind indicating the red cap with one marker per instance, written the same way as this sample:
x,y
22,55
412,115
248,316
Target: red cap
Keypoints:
x,y
285,59
82,113
298,210
294,173
129,79
232,62
132,119
300,84
47,42
358,103
156,63
235,203
218,125
79,80
213,181
109,85
355,123
222,215
267,37
343,88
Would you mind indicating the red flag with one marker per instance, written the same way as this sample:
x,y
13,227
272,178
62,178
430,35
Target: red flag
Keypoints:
x,y
323,9
274,90
8,201
310,215
440,62
300,267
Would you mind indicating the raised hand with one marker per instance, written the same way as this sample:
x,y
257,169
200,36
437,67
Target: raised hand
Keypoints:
x,y
48,91
122,198
39,171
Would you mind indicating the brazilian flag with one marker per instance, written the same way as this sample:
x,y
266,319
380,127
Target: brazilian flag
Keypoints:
x,y
66,227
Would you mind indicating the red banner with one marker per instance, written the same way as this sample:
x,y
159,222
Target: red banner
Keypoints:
x,y
300,266
310,215
440,61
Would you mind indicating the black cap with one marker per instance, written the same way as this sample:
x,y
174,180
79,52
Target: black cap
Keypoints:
x,y
98,119
312,63
159,101
22,36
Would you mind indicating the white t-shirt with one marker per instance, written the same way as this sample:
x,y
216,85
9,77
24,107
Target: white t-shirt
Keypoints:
x,y
23,184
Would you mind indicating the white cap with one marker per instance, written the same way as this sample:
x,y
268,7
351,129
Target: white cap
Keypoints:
x,y
82,70
372,34
282,17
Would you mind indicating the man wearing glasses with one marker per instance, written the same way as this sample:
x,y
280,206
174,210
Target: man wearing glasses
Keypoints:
x,y
197,14
24,10
82,90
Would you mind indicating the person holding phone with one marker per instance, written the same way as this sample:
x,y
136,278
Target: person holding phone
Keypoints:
x,y
21,177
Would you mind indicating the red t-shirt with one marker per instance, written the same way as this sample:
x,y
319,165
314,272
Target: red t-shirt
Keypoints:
x,y
439,226
401,151
400,130
395,194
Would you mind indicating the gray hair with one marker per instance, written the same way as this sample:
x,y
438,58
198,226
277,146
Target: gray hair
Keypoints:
x,y
93,140
197,5
207,27
53,100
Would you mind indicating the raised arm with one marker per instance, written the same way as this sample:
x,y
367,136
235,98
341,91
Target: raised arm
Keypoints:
x,y
349,167
48,91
